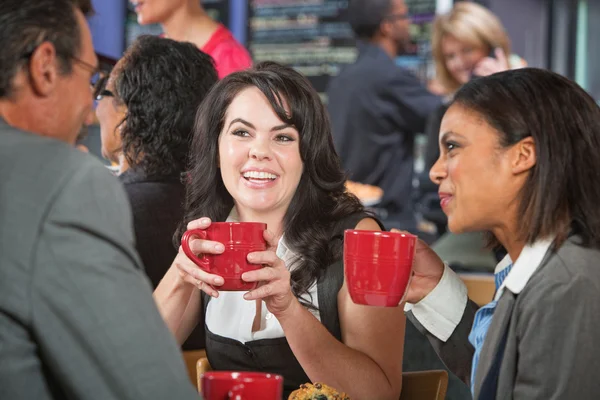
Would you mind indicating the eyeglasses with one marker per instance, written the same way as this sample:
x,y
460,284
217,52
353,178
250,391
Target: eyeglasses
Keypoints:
x,y
100,90
97,81
104,93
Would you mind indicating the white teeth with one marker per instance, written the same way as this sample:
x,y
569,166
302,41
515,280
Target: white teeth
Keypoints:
x,y
259,175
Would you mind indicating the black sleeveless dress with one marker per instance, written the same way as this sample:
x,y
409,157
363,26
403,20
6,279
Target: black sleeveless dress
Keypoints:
x,y
275,355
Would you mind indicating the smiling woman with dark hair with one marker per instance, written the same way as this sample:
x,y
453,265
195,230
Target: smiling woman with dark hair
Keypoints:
x,y
519,159
269,123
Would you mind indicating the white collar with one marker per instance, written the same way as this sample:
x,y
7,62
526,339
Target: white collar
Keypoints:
x,y
528,262
283,251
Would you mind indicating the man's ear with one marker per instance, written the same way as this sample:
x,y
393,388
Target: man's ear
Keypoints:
x,y
524,156
43,69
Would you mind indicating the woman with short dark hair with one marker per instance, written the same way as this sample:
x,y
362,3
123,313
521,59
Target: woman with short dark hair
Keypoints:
x,y
263,152
519,159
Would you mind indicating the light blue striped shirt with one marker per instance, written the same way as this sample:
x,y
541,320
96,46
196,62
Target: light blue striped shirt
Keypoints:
x,y
482,322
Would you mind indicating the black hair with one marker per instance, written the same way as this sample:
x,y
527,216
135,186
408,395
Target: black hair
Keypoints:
x,y
562,190
161,82
320,201
365,16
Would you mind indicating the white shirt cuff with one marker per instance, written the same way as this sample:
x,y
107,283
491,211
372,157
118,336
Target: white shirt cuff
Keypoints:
x,y
442,309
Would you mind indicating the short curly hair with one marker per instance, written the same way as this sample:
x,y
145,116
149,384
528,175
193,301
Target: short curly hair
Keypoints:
x,y
161,82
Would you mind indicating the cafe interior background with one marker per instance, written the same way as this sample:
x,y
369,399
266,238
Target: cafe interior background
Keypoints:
x,y
313,37
559,35
553,34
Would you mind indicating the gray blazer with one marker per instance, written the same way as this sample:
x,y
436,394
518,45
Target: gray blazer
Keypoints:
x,y
543,342
77,318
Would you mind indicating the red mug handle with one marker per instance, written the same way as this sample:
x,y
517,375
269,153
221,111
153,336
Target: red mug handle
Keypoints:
x,y
203,261
236,392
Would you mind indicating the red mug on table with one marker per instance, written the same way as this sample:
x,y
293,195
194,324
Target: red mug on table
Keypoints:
x,y
378,266
239,239
223,385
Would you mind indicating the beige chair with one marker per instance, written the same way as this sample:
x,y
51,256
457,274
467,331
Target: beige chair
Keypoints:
x,y
465,252
202,366
190,358
422,385
480,287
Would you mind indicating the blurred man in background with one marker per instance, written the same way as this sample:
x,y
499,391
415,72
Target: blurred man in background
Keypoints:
x,y
377,108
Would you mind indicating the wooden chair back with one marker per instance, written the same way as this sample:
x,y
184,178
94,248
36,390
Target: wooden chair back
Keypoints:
x,y
422,385
191,357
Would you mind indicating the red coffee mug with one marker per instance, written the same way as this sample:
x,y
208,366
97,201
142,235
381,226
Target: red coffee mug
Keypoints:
x,y
222,385
378,266
239,239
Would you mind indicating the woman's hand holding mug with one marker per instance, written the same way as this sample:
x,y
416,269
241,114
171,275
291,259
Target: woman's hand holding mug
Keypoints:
x,y
189,272
273,280
428,269
215,254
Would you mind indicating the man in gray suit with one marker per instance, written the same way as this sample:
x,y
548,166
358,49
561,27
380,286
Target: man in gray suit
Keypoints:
x,y
77,318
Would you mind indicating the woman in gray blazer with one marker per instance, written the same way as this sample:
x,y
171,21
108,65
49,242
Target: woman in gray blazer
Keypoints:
x,y
520,159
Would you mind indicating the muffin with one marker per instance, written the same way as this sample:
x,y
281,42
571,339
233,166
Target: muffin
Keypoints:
x,y
318,391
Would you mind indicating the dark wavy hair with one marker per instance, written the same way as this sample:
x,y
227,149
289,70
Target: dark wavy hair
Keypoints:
x,y
561,193
320,201
161,82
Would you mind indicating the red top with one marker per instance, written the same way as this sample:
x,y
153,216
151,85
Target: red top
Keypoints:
x,y
228,53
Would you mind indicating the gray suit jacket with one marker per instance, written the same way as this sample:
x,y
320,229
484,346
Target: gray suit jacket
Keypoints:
x,y
543,342
77,318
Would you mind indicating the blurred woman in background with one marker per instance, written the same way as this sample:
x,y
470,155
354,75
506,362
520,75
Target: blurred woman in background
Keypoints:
x,y
187,21
467,42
